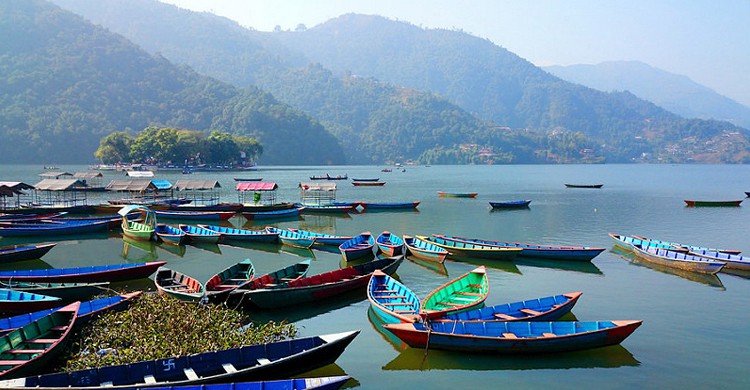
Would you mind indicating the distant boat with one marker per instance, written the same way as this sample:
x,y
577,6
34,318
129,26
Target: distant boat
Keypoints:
x,y
368,183
365,179
584,185
511,204
248,179
713,203
195,215
443,194
389,205
13,253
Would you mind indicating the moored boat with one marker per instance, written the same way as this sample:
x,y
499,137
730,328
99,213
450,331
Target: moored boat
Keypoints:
x,y
584,185
270,280
244,235
366,179
358,247
514,337
178,285
198,234
97,273
12,253
444,194
460,294
170,234
323,238
288,237
465,249
12,301
540,309
680,260
271,360
368,183
627,242
389,205
389,244
511,204
53,229
731,261
66,292
390,300
272,214
220,285
142,229
557,252
424,250
713,203
195,215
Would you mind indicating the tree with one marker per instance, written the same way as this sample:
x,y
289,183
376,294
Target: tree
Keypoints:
x,y
114,148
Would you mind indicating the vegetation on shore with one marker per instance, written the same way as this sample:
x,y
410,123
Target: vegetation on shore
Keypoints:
x,y
156,327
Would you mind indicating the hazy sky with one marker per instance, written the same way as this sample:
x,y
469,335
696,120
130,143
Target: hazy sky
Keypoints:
x,y
706,40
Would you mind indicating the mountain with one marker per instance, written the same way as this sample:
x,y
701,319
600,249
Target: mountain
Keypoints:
x,y
512,111
676,93
68,83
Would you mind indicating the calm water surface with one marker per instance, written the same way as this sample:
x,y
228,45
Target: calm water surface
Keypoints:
x,y
694,334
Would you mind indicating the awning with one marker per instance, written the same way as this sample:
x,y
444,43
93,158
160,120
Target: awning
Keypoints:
x,y
315,186
139,174
256,186
54,175
16,185
130,185
87,175
196,185
58,184
162,184
134,207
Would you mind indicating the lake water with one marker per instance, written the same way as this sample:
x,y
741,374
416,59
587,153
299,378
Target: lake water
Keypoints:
x,y
695,328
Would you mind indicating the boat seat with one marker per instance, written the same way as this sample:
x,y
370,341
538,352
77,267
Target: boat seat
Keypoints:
x,y
397,304
263,361
404,311
12,362
477,286
190,374
386,291
23,351
149,379
547,334
287,279
229,367
449,304
389,296
469,293
510,335
530,312
42,341
61,328
504,316
226,286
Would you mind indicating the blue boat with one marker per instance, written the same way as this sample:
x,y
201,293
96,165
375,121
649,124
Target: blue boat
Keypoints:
x,y
170,234
358,247
391,301
86,312
12,253
511,204
244,235
90,274
288,237
732,261
536,251
323,238
272,360
390,244
514,337
200,235
53,229
272,214
341,208
627,242
319,383
12,301
389,205
541,309
424,250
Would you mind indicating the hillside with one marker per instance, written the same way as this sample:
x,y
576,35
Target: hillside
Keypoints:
x,y
68,83
676,93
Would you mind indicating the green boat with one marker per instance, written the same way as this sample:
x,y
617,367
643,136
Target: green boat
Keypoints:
x,y
178,285
144,228
463,293
713,203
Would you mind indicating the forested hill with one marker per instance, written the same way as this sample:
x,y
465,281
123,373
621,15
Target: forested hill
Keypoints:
x,y
67,83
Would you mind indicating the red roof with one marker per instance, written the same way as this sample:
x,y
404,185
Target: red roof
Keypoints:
x,y
256,186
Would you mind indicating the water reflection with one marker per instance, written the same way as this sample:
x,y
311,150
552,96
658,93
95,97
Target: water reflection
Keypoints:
x,y
332,369
430,265
507,266
144,250
177,250
209,247
25,264
143,284
274,248
306,311
707,279
322,223
295,251
586,267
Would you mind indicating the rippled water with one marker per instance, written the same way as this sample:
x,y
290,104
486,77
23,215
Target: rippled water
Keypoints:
x,y
694,333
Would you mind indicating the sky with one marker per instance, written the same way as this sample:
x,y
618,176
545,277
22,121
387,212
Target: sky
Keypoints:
x,y
706,40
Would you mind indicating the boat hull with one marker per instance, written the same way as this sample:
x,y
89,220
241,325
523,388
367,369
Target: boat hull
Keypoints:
x,y
13,253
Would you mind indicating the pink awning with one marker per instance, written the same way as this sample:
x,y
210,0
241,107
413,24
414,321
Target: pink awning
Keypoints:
x,y
256,186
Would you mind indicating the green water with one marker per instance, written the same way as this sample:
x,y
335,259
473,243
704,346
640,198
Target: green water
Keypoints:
x,y
694,333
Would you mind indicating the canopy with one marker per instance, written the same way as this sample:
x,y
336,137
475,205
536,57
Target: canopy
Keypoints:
x,y
16,185
134,207
58,184
256,186
87,175
314,186
161,184
139,174
54,175
196,185
8,191
130,185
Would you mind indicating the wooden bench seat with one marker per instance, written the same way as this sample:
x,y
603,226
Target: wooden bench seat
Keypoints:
x,y
469,293
510,336
23,351
530,312
389,296
12,362
547,334
397,304
503,316
61,328
42,341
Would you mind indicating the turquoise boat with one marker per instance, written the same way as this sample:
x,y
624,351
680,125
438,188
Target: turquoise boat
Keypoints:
x,y
358,247
323,238
288,237
170,234
243,235
391,301
198,234
460,294
424,250
390,244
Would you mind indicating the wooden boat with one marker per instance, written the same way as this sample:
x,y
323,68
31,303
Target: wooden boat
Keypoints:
x,y
12,253
53,229
540,309
627,242
368,183
320,286
178,285
90,274
584,185
366,179
144,228
389,205
680,260
713,203
270,280
536,251
460,294
317,383
244,235
29,217
251,208
236,207
67,292
390,300
322,239
27,349
272,360
465,249
12,301
272,214
443,194
200,235
358,247
731,261
248,179
514,337
195,215
86,312
170,234
340,208
288,237
220,285
511,204
390,244
424,250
